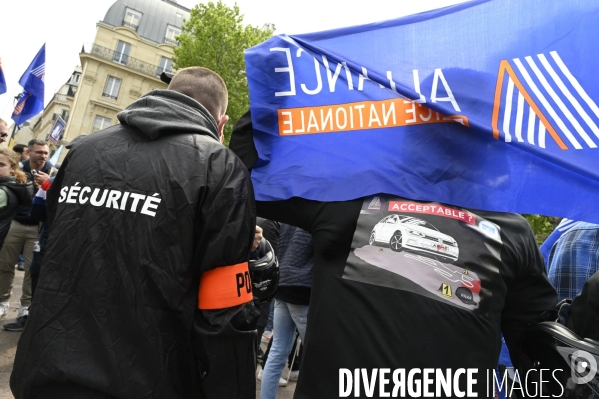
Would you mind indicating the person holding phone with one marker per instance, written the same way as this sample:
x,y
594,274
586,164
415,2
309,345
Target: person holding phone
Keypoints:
x,y
23,234
15,191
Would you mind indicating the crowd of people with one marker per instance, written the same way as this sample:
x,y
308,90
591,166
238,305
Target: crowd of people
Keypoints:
x,y
143,279
25,170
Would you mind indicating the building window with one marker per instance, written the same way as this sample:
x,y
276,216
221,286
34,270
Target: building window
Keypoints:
x,y
65,115
171,32
111,90
75,79
166,65
121,54
101,123
132,19
71,91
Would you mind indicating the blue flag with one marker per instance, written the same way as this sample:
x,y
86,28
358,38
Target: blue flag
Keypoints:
x,y
33,78
27,107
2,80
486,104
31,100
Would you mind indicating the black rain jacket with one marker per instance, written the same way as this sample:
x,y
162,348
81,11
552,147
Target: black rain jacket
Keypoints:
x,y
138,212
18,195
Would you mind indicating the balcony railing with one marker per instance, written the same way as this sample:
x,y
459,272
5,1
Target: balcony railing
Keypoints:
x,y
130,25
171,41
119,58
108,95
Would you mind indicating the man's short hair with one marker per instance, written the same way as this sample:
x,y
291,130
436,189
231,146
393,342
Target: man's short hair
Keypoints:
x,y
19,148
35,142
3,122
204,86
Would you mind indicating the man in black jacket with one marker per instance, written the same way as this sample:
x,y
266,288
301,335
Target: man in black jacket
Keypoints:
x,y
145,287
403,286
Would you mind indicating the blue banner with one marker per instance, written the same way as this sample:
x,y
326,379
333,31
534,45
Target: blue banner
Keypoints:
x,y
487,104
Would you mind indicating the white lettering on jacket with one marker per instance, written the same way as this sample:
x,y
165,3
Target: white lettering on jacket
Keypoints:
x,y
110,198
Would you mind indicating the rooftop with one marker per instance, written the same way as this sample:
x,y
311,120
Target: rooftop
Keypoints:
x,y
155,16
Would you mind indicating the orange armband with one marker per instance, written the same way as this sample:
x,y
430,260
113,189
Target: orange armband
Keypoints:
x,y
225,287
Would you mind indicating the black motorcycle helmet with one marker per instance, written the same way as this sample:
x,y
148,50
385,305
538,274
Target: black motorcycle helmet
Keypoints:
x,y
573,361
264,271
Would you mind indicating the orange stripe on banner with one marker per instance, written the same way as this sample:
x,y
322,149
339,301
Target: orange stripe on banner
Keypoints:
x,y
504,67
497,103
537,110
225,287
359,116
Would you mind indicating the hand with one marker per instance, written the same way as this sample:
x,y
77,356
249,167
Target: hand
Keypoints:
x,y
39,178
257,238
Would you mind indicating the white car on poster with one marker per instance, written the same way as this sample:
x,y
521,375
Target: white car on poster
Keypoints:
x,y
402,232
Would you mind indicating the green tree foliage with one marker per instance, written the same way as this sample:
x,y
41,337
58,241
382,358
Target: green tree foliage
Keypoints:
x,y
542,226
213,37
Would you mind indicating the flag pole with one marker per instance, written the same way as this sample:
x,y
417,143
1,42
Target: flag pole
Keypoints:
x,y
14,128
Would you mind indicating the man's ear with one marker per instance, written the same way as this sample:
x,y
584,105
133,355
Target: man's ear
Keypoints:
x,y
222,121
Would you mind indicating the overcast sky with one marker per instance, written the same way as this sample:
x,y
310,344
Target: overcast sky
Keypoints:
x,y
64,25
